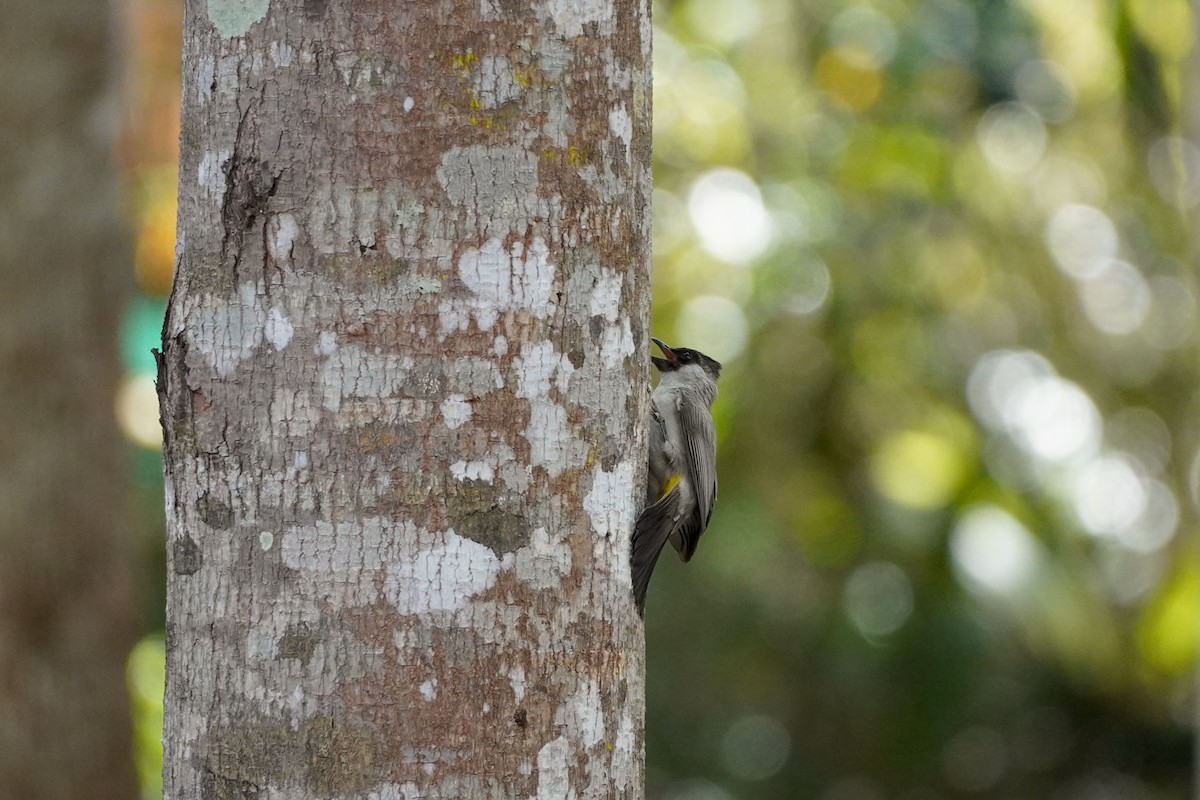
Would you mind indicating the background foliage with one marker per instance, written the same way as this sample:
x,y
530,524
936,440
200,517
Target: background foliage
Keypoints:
x,y
943,249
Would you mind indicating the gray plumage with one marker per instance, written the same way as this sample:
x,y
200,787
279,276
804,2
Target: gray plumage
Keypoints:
x,y
681,484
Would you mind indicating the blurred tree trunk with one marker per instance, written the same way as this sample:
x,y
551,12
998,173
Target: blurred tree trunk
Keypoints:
x,y
65,605
403,391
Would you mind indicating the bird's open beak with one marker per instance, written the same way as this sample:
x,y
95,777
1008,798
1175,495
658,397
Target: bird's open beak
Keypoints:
x,y
664,364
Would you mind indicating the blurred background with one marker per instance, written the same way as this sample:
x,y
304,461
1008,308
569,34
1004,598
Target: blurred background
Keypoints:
x,y
944,249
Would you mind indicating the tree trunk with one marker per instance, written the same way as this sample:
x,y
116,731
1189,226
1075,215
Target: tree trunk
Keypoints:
x,y
65,610
403,390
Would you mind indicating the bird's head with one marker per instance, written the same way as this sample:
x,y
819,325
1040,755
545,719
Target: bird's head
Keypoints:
x,y
675,359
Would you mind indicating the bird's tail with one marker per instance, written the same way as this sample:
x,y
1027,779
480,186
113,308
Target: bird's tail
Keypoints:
x,y
653,528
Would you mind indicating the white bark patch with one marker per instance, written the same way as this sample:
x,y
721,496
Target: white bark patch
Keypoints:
x,y
282,54
508,280
516,679
612,507
499,460
353,372
452,316
429,690
226,332
205,76
326,343
282,230
616,344
494,82
621,125
278,330
456,411
500,346
234,17
624,757
606,296
554,776
582,715
538,364
495,186
472,471
544,562
551,442
619,75
441,577
571,15
423,570
554,56
396,791
210,174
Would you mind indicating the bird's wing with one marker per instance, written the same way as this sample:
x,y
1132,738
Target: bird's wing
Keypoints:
x,y
700,462
654,525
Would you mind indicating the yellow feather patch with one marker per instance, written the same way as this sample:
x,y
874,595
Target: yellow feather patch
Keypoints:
x,y
669,485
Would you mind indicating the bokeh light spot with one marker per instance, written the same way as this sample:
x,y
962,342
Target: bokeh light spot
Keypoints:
x,y
154,258
1012,137
1168,635
878,598
1156,525
137,411
918,469
1172,316
755,747
991,551
727,212
145,674
1117,299
1082,240
849,78
1018,392
810,284
1108,494
1056,420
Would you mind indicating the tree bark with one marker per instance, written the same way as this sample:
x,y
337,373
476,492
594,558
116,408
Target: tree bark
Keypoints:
x,y
65,608
403,392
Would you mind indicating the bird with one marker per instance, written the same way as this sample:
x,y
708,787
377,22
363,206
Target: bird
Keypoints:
x,y
681,479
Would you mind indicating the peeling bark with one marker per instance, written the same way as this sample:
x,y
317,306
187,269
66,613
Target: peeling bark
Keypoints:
x,y
403,396
66,616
